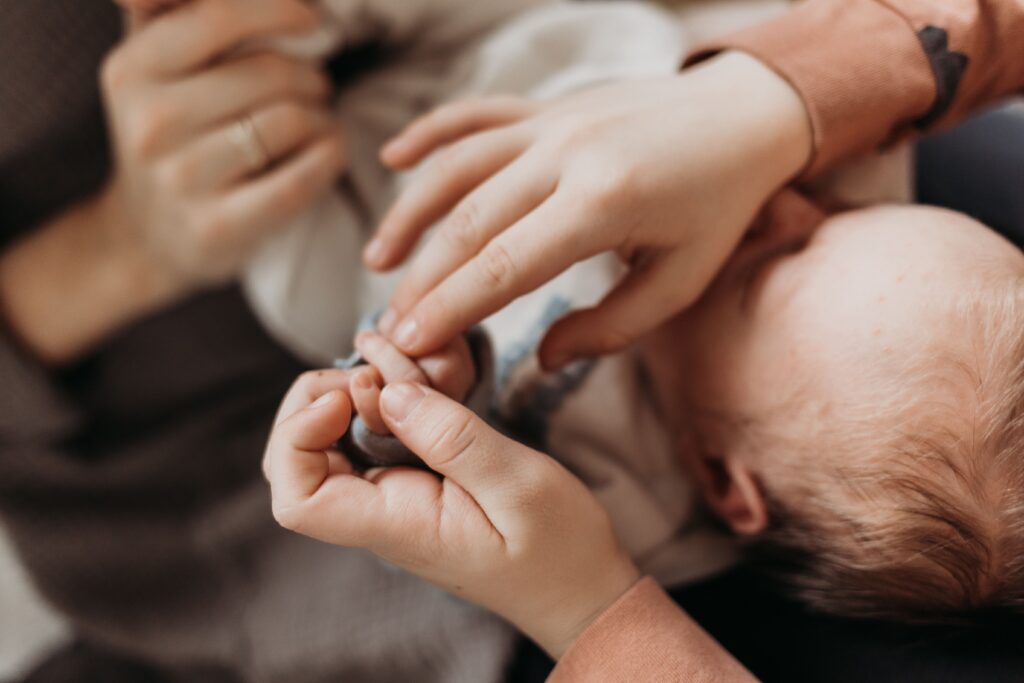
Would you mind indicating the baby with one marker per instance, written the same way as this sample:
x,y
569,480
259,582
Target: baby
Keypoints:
x,y
845,397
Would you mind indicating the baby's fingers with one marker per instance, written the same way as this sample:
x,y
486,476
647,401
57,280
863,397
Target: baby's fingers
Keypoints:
x,y
300,454
451,370
366,384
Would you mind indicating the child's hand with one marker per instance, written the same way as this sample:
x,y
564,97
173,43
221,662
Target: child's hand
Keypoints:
x,y
451,371
507,527
666,172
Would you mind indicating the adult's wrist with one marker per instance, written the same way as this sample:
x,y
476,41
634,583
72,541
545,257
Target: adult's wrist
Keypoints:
x,y
73,282
771,119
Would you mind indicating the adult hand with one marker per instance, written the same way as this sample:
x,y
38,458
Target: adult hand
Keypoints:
x,y
506,527
666,172
214,146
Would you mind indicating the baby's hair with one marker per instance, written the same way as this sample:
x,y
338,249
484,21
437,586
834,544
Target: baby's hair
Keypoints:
x,y
932,529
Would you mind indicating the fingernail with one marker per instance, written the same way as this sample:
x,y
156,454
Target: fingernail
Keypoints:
x,y
386,324
407,334
324,400
399,400
375,252
363,381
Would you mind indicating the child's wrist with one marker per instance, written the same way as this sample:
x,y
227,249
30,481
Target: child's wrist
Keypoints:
x,y
571,622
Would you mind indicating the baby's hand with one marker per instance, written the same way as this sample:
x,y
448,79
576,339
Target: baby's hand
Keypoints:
x,y
451,371
507,527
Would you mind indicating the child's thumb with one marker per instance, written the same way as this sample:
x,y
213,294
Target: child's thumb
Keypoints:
x,y
456,443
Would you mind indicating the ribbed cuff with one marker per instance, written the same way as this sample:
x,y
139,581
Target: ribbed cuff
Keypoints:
x,y
857,64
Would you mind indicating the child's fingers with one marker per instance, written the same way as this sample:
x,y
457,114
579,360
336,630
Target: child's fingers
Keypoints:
x,y
451,122
297,462
365,390
504,477
393,365
309,387
451,370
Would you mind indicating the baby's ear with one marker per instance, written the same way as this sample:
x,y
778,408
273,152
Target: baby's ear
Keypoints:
x,y
732,491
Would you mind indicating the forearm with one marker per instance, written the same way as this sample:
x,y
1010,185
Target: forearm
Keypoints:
x,y
70,284
873,71
646,637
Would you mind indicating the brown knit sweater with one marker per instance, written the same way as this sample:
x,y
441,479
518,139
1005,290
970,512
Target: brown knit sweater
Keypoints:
x,y
131,482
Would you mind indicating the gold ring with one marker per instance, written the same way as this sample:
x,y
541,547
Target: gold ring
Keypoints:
x,y
247,137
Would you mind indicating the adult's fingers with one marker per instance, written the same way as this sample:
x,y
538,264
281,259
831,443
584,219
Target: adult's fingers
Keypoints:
x,y
451,122
537,249
194,34
435,191
270,201
231,90
497,204
216,161
501,475
645,299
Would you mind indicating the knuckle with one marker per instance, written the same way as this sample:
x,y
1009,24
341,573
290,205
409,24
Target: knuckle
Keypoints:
x,y
176,175
455,439
292,120
115,72
537,486
498,270
288,516
209,231
615,188
151,127
462,228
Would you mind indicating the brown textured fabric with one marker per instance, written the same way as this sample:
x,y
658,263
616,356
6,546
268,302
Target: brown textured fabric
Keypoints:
x,y
646,637
131,482
872,71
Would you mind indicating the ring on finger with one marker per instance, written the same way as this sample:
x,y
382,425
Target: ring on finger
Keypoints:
x,y
246,137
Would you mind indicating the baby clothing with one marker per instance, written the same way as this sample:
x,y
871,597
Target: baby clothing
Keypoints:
x,y
598,417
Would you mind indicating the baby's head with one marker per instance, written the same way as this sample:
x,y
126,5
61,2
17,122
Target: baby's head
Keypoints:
x,y
856,406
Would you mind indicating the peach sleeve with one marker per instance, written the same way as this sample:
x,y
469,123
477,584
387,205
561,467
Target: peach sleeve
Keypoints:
x,y
873,71
646,637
